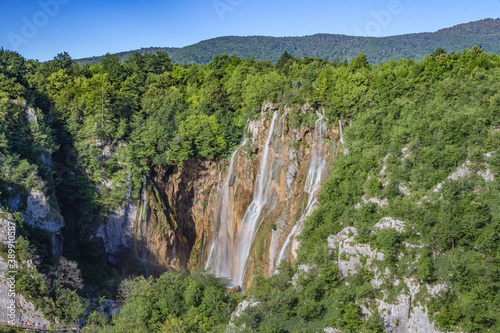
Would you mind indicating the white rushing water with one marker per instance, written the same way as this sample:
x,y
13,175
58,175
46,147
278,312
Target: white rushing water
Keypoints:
x,y
315,175
341,131
142,209
220,258
250,221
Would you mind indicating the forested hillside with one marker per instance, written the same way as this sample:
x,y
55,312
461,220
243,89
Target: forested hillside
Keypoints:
x,y
485,33
411,205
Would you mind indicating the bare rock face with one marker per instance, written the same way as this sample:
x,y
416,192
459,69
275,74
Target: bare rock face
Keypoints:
x,y
384,203
331,330
231,328
40,213
404,314
13,306
350,251
389,223
117,234
180,213
22,309
466,169
5,219
253,129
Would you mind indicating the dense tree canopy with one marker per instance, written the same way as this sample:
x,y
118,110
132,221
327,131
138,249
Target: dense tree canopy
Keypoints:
x,y
418,120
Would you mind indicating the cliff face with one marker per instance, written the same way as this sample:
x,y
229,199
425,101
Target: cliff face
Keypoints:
x,y
237,217
271,187
23,308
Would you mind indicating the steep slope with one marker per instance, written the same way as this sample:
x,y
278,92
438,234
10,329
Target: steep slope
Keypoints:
x,y
202,215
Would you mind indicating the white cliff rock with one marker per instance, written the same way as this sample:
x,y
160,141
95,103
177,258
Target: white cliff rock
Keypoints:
x,y
5,218
463,171
231,328
253,129
331,330
403,188
404,315
389,223
22,308
302,271
117,233
41,214
350,251
384,203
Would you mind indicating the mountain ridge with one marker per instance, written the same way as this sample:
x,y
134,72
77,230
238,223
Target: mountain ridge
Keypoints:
x,y
484,33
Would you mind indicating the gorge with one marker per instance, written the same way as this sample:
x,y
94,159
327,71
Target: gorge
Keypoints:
x,y
247,211
143,193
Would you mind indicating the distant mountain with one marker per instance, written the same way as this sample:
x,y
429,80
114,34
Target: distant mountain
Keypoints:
x,y
126,54
484,33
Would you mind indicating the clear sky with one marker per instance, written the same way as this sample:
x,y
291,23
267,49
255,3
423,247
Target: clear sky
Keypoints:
x,y
41,29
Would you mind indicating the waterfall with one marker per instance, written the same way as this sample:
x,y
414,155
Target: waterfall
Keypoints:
x,y
282,122
250,221
220,258
286,247
341,130
142,208
203,245
315,175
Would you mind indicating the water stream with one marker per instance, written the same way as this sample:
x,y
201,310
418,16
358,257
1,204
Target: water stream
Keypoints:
x,y
250,221
220,258
315,175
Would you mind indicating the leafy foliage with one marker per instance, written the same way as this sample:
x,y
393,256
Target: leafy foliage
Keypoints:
x,y
412,124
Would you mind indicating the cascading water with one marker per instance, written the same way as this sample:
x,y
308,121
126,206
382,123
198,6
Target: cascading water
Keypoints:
x,y
341,131
250,221
282,122
341,127
220,258
315,175
142,212
142,217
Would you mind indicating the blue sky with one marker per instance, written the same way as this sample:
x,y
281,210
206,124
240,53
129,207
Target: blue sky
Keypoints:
x,y
41,29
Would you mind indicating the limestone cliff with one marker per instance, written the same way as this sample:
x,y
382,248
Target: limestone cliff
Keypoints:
x,y
177,220
22,308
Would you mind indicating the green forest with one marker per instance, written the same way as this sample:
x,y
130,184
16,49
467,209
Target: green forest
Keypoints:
x,y
484,33
441,110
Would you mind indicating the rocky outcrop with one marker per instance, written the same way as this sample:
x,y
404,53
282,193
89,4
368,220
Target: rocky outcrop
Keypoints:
x,y
350,252
22,309
43,214
6,219
231,328
180,212
117,235
13,306
389,223
467,168
402,315
405,314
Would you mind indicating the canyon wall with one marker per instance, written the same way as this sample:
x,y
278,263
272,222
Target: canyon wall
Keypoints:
x,y
236,217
